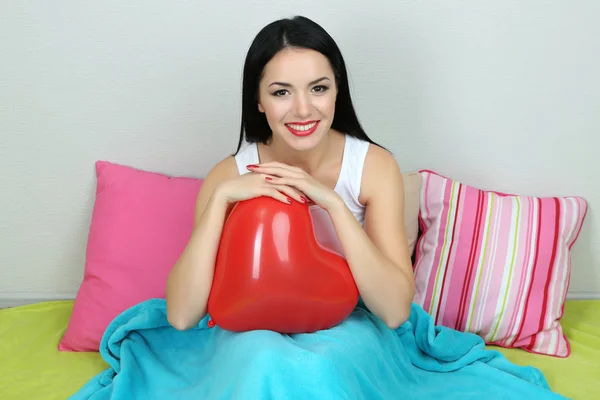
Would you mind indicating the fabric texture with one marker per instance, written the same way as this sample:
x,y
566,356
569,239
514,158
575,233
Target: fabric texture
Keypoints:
x,y
33,368
141,223
496,265
358,359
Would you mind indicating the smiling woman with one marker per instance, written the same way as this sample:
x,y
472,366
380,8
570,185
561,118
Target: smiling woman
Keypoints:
x,y
317,94
300,140
294,102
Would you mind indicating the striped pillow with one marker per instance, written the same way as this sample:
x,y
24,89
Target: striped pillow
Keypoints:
x,y
496,265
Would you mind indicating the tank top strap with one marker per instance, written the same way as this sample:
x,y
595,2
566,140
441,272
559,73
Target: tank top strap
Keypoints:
x,y
350,179
247,155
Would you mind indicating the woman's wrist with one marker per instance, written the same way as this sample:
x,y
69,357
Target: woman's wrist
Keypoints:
x,y
219,196
335,205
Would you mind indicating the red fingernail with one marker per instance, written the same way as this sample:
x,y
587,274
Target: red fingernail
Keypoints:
x,y
289,200
303,199
251,166
268,178
211,323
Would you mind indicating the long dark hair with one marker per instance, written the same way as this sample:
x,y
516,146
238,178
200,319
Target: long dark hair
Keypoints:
x,y
299,32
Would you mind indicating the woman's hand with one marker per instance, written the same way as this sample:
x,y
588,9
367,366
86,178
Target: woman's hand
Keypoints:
x,y
283,175
254,185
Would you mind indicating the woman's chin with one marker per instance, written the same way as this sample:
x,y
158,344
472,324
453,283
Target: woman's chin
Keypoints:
x,y
303,143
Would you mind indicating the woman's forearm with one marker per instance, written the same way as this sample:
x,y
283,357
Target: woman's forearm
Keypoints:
x,y
384,287
190,280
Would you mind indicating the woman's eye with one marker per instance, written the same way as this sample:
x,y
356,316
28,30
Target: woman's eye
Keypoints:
x,y
320,88
280,93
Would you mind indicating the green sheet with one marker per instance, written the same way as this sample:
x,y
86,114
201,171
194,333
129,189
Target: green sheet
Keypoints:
x,y
33,368
577,376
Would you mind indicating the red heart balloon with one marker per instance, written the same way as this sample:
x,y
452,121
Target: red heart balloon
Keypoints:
x,y
271,273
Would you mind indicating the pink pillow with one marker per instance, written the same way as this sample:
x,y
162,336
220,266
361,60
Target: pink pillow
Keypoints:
x,y
496,265
140,224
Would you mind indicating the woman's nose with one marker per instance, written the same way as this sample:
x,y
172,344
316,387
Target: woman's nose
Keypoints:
x,y
301,106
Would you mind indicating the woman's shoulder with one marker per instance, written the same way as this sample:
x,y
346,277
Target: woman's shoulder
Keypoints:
x,y
381,169
379,158
233,165
223,170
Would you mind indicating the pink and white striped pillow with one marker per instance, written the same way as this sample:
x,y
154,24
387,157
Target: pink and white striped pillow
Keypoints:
x,y
496,265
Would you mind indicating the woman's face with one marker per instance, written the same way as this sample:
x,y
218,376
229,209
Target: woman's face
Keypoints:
x,y
297,94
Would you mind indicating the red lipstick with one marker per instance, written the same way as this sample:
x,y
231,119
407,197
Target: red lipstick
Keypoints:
x,y
299,128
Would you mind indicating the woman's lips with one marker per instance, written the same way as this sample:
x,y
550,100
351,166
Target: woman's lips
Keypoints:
x,y
302,128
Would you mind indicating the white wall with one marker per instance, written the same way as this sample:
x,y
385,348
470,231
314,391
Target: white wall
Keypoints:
x,y
446,85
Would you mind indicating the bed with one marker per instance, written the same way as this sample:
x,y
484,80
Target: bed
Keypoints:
x,y
118,249
33,368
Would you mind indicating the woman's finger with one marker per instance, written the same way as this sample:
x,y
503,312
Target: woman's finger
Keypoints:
x,y
297,183
274,170
290,192
277,195
281,165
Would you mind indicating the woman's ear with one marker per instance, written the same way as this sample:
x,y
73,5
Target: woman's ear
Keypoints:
x,y
260,108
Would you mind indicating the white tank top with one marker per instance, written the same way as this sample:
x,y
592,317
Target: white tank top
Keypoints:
x,y
347,186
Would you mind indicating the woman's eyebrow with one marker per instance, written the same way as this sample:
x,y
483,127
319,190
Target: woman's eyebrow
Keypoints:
x,y
285,84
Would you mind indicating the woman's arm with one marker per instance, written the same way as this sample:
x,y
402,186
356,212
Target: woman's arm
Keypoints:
x,y
378,255
190,280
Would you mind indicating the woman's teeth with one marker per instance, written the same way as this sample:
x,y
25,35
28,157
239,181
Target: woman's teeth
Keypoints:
x,y
302,127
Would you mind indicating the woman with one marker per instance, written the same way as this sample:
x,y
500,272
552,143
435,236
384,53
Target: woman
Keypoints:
x,y
301,140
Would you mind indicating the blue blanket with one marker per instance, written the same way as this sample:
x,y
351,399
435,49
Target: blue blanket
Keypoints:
x,y
359,359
